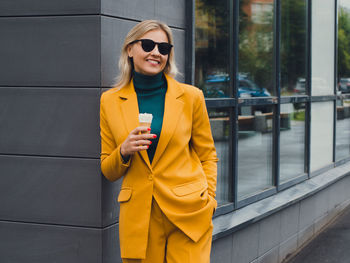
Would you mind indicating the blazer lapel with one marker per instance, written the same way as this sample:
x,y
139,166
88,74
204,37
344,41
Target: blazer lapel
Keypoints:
x,y
172,111
130,111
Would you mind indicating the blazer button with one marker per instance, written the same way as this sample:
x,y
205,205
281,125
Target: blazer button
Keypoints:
x,y
150,177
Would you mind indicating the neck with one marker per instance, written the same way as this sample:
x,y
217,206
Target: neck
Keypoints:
x,y
147,82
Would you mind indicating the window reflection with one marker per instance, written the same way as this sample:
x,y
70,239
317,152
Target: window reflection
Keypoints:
x,y
343,127
256,47
254,150
292,140
247,88
293,47
344,46
322,117
219,121
322,46
211,45
343,87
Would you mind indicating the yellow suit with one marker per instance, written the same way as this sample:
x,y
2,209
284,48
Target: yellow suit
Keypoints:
x,y
182,176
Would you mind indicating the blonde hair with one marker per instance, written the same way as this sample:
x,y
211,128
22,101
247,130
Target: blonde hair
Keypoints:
x,y
125,63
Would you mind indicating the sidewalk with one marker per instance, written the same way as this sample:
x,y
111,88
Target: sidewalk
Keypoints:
x,y
330,246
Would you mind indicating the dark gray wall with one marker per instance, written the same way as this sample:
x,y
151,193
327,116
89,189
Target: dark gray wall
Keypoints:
x,y
56,58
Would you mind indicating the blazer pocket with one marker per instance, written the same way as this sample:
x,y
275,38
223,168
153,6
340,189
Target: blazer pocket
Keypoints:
x,y
189,188
124,195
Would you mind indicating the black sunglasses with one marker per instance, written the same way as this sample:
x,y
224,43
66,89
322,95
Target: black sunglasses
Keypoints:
x,y
148,45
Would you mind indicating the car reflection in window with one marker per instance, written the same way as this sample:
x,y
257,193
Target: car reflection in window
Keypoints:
x,y
216,86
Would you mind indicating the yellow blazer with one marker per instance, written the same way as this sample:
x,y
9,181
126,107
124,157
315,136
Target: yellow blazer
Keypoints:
x,y
182,176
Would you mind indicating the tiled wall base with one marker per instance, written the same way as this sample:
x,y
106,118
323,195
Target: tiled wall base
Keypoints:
x,y
275,238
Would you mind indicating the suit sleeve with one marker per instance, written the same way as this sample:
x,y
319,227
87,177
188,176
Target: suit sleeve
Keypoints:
x,y
203,143
112,165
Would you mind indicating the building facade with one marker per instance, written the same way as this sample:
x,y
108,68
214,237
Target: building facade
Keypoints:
x,y
276,77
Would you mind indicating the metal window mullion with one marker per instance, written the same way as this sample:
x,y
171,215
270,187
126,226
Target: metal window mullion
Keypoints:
x,y
234,42
295,99
190,42
335,79
308,90
276,126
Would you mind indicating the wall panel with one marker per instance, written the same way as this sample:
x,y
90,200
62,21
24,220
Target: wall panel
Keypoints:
x,y
52,7
50,121
50,190
36,243
50,51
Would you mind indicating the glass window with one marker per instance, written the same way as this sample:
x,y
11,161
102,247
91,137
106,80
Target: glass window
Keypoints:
x,y
343,102
344,46
212,48
255,61
322,47
254,149
321,135
292,140
293,47
343,127
219,121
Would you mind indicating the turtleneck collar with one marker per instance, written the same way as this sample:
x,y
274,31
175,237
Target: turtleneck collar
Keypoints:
x,y
145,82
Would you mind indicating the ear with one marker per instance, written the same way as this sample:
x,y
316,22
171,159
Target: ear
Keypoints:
x,y
129,49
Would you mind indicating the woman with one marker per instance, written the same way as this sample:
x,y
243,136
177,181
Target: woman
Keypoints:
x,y
169,175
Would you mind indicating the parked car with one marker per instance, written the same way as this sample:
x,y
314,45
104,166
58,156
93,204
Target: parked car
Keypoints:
x,y
247,88
216,85
300,87
344,85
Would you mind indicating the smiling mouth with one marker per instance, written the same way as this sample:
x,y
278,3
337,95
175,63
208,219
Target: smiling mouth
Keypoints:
x,y
154,62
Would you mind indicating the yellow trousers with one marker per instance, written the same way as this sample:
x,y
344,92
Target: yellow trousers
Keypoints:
x,y
168,244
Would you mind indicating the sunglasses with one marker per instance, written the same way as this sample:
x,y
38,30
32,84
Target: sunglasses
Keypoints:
x,y
148,45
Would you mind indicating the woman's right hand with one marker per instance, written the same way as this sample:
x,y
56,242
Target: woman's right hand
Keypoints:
x,y
138,140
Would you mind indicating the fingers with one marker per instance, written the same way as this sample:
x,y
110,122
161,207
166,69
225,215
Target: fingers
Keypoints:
x,y
140,129
140,148
140,137
141,143
131,147
137,141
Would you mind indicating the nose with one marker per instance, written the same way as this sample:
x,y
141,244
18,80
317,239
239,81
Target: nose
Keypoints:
x,y
155,51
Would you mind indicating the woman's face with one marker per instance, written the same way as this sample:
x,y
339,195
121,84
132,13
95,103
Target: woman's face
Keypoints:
x,y
149,63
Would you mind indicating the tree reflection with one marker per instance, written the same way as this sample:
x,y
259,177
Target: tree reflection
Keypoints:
x,y
343,43
293,47
256,42
212,39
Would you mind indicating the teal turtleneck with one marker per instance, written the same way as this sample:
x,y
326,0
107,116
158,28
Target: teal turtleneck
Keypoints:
x,y
150,92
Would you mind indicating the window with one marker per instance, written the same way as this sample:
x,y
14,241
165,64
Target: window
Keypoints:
x,y
255,82
343,85
293,63
212,48
255,51
212,76
271,104
293,47
321,134
220,125
322,79
292,140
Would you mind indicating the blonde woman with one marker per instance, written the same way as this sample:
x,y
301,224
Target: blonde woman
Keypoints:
x,y
169,170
